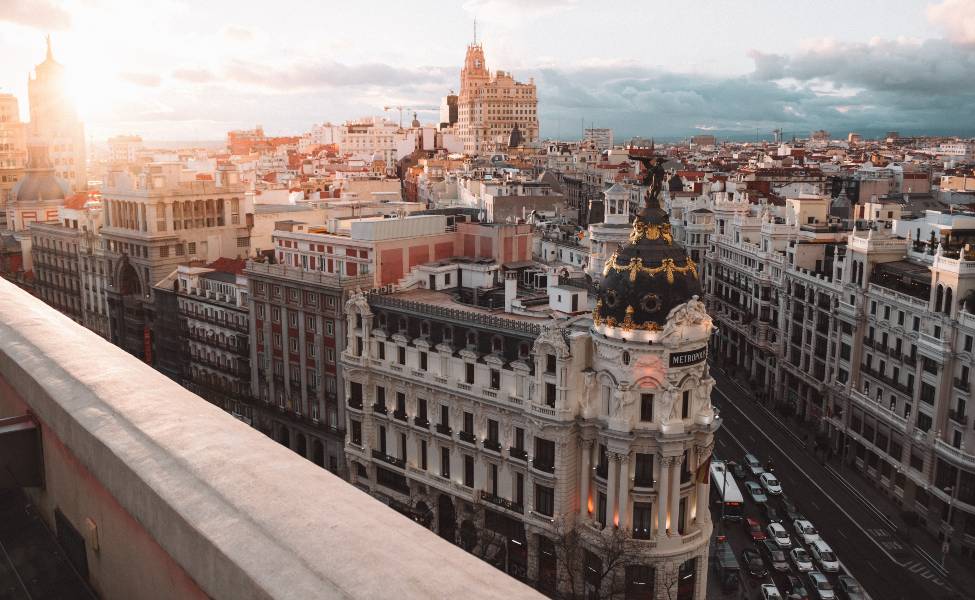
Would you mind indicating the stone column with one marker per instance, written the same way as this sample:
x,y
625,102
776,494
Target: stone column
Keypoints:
x,y
701,489
585,476
675,493
663,483
611,485
168,215
624,491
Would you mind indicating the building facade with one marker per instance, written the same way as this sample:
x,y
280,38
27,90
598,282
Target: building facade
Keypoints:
x,y
13,151
55,123
517,434
491,105
156,221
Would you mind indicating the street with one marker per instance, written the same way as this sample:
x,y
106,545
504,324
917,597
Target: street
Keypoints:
x,y
860,534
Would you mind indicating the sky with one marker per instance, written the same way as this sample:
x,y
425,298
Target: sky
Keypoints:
x,y
180,70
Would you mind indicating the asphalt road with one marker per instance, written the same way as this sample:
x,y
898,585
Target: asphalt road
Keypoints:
x,y
857,532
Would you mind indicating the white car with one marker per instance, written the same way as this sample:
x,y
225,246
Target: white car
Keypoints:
x,y
753,465
824,589
779,535
824,556
771,484
801,559
806,531
770,592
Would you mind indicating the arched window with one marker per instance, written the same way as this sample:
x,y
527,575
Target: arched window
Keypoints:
x,y
938,298
947,301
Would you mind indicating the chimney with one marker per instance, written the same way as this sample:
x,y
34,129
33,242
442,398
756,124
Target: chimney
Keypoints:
x,y
510,289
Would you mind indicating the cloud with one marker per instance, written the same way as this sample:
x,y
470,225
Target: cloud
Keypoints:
x,y
143,79
193,75
311,74
42,14
239,33
957,17
504,11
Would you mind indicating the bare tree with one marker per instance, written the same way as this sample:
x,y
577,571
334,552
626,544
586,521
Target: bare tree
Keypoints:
x,y
604,571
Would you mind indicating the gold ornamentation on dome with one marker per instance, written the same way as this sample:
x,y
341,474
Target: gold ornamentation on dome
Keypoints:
x,y
628,323
636,266
596,319
652,231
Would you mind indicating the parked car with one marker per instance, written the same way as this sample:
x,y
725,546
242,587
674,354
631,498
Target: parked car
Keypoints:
x,y
790,509
821,586
753,465
753,563
772,514
770,592
770,483
805,530
796,589
754,529
755,491
778,533
824,556
775,556
801,559
849,589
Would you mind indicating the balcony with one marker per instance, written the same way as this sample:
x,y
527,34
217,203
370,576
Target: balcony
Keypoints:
x,y
962,384
421,422
502,502
518,454
396,462
443,429
114,464
380,408
355,403
493,445
400,415
467,436
958,417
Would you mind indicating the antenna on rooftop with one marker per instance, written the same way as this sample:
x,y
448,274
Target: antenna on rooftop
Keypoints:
x,y
475,31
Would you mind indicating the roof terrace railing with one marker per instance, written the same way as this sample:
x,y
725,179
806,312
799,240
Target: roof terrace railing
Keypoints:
x,y
169,496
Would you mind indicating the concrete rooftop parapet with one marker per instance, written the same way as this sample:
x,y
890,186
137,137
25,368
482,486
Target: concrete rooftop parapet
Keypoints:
x,y
176,498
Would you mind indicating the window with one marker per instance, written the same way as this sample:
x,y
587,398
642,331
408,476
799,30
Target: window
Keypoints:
x,y
469,373
310,324
643,477
401,403
191,248
423,454
495,379
544,455
550,364
444,415
646,407
382,350
492,434
544,500
550,394
356,432
382,439
468,471
519,438
445,462
380,396
293,319
164,252
968,343
917,324
401,355
275,314
423,361
469,423
276,340
601,508
685,405
519,489
293,344
641,520
421,409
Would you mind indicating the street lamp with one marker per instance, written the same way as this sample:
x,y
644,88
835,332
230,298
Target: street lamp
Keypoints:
x,y
946,546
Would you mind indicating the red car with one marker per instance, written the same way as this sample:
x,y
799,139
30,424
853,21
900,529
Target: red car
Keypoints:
x,y
754,529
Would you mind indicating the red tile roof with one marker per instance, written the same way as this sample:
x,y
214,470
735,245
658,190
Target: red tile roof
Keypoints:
x,y
228,265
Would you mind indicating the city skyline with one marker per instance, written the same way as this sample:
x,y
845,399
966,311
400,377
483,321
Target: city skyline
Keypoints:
x,y
702,69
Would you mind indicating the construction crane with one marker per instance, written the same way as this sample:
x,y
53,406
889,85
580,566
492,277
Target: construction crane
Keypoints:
x,y
400,109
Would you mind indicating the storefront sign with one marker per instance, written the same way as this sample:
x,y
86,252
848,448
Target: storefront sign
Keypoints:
x,y
691,357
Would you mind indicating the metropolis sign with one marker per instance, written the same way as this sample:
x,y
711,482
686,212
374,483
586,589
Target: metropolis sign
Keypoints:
x,y
691,357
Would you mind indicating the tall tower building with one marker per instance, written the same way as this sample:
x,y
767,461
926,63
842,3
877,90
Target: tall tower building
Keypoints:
x,y
54,121
491,105
13,151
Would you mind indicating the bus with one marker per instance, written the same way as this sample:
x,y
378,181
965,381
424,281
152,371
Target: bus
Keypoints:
x,y
726,492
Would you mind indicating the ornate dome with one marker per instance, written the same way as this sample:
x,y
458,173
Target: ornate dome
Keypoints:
x,y
39,183
646,277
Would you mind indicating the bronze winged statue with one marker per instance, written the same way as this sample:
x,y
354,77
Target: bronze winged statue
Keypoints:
x,y
653,176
